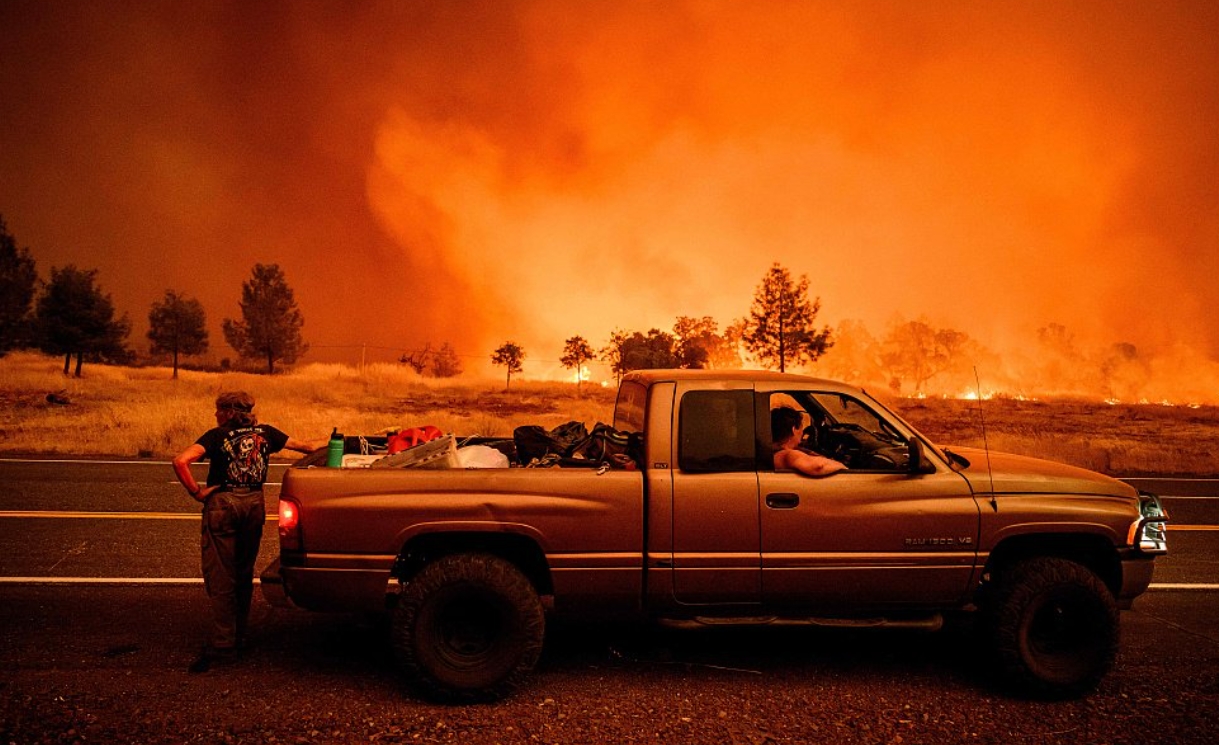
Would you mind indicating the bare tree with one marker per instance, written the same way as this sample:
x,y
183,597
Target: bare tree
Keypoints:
x,y
915,352
1059,365
1124,372
577,352
510,355
418,359
612,355
434,363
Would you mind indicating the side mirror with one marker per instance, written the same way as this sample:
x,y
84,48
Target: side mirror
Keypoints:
x,y
918,462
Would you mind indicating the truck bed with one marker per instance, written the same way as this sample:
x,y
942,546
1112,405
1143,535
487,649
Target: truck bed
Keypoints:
x,y
357,522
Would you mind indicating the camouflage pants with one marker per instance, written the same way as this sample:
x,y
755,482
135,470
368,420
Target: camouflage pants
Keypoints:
x,y
232,534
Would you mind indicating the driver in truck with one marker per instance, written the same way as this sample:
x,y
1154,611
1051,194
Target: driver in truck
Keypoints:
x,y
786,432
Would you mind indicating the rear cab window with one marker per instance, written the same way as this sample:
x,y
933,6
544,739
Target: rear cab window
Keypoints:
x,y
716,431
631,406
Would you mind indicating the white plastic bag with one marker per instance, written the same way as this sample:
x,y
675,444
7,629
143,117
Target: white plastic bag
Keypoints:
x,y
480,456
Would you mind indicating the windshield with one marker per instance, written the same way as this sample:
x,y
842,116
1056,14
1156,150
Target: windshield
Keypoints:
x,y
840,409
895,417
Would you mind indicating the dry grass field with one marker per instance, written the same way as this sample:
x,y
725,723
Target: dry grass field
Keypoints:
x,y
143,412
119,411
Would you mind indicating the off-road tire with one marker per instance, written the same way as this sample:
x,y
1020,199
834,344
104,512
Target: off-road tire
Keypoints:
x,y
468,628
1053,628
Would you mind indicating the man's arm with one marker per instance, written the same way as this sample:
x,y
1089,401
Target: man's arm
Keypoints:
x,y
182,469
812,465
300,446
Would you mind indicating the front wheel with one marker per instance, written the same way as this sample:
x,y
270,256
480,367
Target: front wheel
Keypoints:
x,y
468,627
1054,628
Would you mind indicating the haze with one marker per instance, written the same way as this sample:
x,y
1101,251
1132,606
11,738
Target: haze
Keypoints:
x,y
474,172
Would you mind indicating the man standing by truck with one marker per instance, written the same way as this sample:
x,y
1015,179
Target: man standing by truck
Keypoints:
x,y
237,448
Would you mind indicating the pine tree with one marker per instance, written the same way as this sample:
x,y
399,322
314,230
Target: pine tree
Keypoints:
x,y
74,317
18,279
779,329
177,325
270,325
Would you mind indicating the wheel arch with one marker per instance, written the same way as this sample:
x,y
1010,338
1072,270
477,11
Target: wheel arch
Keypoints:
x,y
1089,549
521,551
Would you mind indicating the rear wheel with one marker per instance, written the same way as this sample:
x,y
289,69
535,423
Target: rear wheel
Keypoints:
x,y
1054,628
468,627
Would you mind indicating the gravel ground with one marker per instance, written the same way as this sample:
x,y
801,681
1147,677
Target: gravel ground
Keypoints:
x,y
108,665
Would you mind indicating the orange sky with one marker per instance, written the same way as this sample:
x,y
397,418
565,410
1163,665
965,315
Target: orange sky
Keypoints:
x,y
476,172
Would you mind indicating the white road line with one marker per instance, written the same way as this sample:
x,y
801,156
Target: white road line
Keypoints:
x,y
66,515
88,462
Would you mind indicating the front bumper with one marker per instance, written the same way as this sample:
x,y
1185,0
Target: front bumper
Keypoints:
x,y
1137,569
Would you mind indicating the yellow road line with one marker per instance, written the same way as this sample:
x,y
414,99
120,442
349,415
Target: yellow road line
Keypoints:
x,y
1183,586
104,581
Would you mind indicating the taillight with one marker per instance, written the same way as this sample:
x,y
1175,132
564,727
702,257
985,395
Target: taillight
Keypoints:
x,y
289,524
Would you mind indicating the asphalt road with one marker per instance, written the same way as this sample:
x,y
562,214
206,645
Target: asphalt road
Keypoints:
x,y
102,609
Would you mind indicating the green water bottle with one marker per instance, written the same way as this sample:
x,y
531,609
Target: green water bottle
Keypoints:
x,y
334,452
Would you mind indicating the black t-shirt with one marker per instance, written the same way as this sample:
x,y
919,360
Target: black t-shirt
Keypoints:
x,y
238,455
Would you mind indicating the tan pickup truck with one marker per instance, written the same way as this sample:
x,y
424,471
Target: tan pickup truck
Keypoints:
x,y
705,530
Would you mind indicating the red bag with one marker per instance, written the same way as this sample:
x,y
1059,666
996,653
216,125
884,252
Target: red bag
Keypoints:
x,y
409,438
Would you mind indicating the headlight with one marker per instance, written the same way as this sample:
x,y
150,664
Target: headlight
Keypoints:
x,y
1149,533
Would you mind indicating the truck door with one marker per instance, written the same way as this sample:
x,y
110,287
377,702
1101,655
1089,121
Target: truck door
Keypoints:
x,y
874,535
716,543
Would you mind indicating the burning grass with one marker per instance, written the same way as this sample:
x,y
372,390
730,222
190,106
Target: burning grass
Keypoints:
x,y
1118,439
131,412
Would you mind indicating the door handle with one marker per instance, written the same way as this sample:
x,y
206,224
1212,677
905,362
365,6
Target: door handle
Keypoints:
x,y
782,501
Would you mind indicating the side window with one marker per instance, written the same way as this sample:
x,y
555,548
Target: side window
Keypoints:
x,y
716,431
